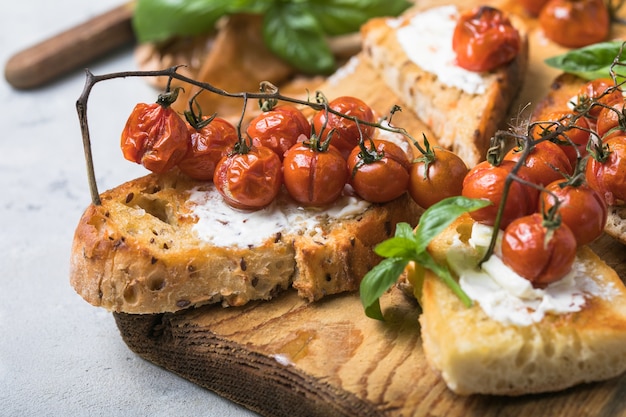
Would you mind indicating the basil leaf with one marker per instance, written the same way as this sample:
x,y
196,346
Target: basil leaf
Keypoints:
x,y
404,230
291,32
590,62
338,17
439,216
402,245
396,247
377,281
442,271
156,20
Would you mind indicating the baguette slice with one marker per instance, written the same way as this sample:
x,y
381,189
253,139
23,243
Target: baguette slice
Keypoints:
x,y
461,121
562,91
139,252
477,354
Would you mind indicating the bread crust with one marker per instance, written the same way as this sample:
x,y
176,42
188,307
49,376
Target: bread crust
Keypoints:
x,y
460,121
478,355
136,252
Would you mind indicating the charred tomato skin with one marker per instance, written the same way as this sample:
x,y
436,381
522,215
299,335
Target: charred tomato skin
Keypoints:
x,y
608,176
345,132
208,145
487,181
382,180
154,136
540,256
431,182
279,128
484,39
581,208
314,177
250,180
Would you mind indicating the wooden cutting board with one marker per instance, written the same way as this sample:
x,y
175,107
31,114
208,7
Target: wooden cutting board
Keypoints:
x,y
290,358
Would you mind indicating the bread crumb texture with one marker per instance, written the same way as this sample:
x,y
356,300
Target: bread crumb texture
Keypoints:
x,y
137,252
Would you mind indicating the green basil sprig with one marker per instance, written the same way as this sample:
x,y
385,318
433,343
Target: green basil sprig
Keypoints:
x,y
410,245
295,30
590,62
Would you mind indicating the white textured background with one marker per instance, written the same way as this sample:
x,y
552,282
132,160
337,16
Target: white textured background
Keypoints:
x,y
59,356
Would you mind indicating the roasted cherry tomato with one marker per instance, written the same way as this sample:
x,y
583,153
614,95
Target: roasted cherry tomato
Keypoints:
x,y
537,251
315,174
546,162
155,135
575,133
612,120
484,39
486,181
436,176
533,7
345,132
249,180
379,172
606,170
279,128
581,208
575,23
210,142
594,94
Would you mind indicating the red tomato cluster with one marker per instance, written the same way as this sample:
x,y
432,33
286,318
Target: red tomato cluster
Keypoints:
x,y
574,169
530,229
313,160
601,102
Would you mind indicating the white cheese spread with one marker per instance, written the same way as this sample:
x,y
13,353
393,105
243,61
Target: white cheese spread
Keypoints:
x,y
221,225
427,40
509,298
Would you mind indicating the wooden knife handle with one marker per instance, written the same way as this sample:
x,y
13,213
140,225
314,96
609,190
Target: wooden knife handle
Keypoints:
x,y
67,51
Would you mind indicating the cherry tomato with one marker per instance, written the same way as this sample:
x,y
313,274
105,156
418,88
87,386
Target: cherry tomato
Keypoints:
x,y
581,208
612,120
487,182
249,180
600,91
345,134
279,128
434,178
606,170
379,173
484,39
575,23
533,7
209,144
155,135
535,254
575,136
546,162
314,175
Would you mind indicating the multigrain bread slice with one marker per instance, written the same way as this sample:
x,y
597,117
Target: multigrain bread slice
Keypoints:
x,y
560,98
484,353
162,243
463,120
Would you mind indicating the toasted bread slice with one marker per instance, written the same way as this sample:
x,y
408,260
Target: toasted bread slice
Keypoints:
x,y
463,116
162,243
559,98
489,353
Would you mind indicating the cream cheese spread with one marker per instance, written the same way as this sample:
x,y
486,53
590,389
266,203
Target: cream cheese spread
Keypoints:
x,y
427,40
221,225
511,299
